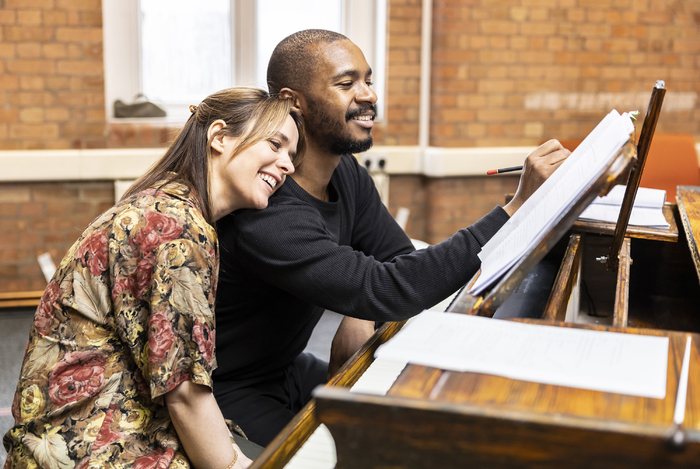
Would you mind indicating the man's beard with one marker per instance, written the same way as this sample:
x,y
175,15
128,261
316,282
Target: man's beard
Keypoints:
x,y
329,133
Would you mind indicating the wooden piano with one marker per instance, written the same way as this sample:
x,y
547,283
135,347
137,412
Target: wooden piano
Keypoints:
x,y
429,418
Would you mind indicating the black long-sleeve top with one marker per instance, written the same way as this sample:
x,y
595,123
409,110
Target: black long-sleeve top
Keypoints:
x,y
282,266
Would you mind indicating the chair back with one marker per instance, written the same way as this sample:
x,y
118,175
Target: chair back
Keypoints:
x,y
672,161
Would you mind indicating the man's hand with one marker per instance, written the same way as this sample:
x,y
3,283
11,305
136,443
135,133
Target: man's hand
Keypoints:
x,y
351,334
539,165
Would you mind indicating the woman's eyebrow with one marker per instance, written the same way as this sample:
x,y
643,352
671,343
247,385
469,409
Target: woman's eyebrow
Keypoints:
x,y
281,136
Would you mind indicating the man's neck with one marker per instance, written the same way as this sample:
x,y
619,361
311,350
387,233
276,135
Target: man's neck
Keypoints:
x,y
315,172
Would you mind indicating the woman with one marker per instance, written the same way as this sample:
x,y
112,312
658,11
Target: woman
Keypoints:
x,y
117,372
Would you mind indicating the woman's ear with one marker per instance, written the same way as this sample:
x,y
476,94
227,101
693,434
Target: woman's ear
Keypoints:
x,y
218,142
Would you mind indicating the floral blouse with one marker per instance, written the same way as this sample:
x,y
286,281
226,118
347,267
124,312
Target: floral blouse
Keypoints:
x,y
126,318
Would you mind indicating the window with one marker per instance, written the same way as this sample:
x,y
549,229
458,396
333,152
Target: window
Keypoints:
x,y
176,52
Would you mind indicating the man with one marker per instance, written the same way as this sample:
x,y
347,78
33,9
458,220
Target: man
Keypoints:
x,y
327,242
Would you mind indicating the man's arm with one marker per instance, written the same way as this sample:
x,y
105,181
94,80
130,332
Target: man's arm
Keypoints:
x,y
351,335
201,428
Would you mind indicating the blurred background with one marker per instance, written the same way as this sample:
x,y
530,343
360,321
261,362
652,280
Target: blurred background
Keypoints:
x,y
464,86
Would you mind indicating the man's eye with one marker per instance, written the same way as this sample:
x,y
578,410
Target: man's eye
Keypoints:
x,y
346,83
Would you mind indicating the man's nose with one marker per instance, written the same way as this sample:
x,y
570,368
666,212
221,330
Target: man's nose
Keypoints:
x,y
366,94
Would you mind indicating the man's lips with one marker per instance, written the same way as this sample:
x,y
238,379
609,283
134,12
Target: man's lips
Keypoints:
x,y
364,120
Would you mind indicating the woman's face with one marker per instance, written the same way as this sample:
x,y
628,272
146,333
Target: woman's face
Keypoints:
x,y
253,175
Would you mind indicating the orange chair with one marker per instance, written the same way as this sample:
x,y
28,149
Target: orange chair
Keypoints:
x,y
672,161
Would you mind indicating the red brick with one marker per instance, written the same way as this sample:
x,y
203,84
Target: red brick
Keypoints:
x,y
29,17
29,50
79,35
7,51
55,17
8,16
654,17
33,131
8,115
57,114
39,67
54,51
7,209
14,285
79,67
32,83
79,5
31,115
9,83
28,33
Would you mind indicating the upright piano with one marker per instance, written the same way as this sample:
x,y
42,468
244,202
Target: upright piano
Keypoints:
x,y
420,417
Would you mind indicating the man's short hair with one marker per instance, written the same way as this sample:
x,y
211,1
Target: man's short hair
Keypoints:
x,y
292,61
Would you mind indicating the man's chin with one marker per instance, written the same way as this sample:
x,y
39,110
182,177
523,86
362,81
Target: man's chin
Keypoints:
x,y
343,146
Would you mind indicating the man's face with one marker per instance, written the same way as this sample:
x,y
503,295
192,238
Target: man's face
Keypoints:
x,y
340,105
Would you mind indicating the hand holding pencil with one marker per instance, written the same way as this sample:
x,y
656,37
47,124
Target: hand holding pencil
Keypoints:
x,y
539,165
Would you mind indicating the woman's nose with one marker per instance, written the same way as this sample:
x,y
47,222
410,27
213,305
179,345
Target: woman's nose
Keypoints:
x,y
286,165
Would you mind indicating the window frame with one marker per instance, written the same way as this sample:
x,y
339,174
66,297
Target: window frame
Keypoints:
x,y
122,51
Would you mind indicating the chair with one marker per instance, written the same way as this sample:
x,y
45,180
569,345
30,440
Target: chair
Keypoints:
x,y
672,161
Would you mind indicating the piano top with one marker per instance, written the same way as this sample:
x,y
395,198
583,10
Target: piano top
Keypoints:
x,y
577,406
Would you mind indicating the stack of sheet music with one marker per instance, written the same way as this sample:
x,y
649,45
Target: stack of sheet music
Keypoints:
x,y
540,213
646,211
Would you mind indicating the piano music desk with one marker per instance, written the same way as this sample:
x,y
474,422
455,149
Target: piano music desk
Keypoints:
x,y
432,418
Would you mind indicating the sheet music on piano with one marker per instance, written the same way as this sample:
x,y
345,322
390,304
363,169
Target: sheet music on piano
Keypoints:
x,y
547,205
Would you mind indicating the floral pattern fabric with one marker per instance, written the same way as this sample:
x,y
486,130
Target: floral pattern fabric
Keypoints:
x,y
126,318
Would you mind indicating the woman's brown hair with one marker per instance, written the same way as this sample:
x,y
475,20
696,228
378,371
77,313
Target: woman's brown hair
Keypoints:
x,y
250,114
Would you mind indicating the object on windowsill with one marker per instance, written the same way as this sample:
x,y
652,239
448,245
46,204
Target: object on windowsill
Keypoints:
x,y
646,211
141,107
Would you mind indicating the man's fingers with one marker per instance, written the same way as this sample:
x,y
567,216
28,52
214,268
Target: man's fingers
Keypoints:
x,y
547,148
558,157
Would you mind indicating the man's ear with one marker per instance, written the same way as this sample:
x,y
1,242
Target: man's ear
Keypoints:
x,y
298,101
218,142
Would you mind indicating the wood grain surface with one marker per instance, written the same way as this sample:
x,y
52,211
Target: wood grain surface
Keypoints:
x,y
688,199
20,299
622,289
432,418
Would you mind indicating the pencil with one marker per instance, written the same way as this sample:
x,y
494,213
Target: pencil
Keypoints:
x,y
504,170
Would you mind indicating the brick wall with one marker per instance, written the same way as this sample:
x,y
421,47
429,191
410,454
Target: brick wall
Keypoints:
x,y
51,74
442,206
403,72
516,72
43,217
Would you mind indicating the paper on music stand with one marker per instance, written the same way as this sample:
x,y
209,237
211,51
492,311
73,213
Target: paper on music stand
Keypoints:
x,y
600,361
646,211
540,213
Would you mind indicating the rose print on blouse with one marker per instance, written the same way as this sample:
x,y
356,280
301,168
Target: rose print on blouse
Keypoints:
x,y
78,375
93,252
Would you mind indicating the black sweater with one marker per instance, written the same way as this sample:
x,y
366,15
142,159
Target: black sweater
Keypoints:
x,y
282,266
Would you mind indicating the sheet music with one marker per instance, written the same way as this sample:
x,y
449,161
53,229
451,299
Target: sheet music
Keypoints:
x,y
646,211
601,361
538,215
